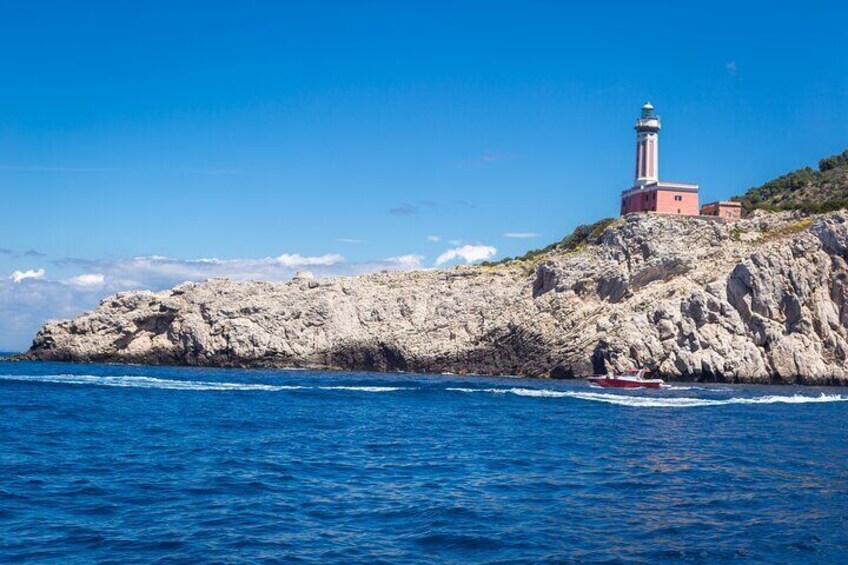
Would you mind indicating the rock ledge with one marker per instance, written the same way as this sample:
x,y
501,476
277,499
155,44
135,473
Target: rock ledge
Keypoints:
x,y
762,300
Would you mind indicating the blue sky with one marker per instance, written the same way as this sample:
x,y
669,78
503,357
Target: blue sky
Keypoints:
x,y
351,136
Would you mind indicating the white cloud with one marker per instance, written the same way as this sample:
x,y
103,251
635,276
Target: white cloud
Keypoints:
x,y
486,158
468,253
350,240
156,272
491,157
407,262
19,276
89,280
296,260
433,238
731,68
25,307
522,235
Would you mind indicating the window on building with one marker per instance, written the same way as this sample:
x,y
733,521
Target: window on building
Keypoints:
x,y
678,210
678,198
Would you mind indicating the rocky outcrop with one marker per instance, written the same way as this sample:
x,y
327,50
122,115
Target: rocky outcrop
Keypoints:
x,y
762,300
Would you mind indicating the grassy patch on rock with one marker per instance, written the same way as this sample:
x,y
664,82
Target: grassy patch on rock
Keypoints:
x,y
575,242
790,229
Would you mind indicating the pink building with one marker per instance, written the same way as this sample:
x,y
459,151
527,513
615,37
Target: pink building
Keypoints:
x,y
649,194
726,209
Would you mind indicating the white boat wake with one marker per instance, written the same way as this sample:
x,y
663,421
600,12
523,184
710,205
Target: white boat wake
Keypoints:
x,y
170,384
637,401
657,401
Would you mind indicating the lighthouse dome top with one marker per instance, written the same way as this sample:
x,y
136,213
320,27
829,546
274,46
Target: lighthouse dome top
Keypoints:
x,y
648,121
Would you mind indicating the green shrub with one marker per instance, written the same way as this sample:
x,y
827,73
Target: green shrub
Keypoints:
x,y
806,189
834,162
576,240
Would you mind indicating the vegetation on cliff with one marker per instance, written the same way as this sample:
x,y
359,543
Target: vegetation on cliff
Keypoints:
x,y
576,240
808,190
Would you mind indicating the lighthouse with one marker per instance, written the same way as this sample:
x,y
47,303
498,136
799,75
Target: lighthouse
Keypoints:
x,y
648,193
647,146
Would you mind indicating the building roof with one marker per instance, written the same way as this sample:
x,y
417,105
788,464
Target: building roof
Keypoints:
x,y
663,185
731,203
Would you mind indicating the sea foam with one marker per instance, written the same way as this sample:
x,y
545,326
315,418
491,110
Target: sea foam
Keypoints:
x,y
368,388
144,382
169,384
641,401
657,401
537,392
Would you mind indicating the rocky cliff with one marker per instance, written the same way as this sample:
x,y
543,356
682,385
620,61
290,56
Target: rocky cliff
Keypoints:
x,y
762,300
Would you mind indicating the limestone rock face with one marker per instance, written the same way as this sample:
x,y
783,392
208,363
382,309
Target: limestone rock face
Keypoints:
x,y
761,300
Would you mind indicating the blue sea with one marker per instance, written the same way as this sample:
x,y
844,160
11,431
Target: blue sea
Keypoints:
x,y
131,464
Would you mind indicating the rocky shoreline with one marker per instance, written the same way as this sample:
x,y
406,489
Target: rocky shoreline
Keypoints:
x,y
762,300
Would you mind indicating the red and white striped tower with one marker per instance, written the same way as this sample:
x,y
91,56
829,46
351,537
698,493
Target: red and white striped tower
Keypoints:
x,y
647,146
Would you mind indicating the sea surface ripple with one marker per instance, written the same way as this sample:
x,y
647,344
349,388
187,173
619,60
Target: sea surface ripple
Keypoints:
x,y
130,464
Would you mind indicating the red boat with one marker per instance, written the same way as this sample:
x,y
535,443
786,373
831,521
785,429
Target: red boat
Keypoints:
x,y
634,378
